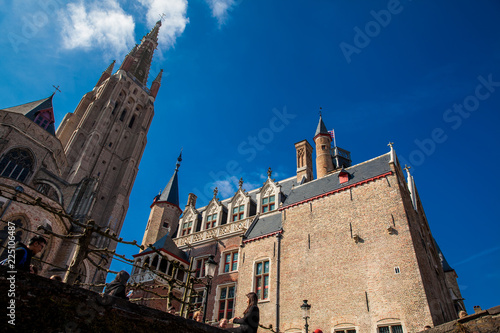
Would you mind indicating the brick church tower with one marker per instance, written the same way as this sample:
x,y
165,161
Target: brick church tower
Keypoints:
x,y
105,137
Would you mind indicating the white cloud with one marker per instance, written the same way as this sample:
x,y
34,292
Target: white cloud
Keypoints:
x,y
173,23
101,24
220,9
227,187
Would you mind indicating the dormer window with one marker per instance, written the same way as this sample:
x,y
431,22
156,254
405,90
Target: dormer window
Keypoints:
x,y
211,220
238,213
268,204
186,228
43,120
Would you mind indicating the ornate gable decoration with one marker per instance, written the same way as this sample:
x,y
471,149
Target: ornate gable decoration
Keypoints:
x,y
190,214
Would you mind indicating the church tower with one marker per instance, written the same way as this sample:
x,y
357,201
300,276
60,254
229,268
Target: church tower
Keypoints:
x,y
165,211
104,138
323,141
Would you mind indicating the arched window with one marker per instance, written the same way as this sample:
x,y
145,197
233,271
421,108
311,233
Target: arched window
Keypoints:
x,y
16,164
154,264
19,233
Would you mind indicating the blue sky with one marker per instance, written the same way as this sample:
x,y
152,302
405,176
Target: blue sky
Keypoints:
x,y
243,81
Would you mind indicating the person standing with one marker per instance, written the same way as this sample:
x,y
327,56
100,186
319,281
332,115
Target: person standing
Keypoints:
x,y
250,321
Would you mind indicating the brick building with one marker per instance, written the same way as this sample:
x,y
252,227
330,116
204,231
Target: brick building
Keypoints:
x,y
86,168
354,242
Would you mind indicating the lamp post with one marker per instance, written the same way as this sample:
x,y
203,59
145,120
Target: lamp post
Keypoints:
x,y
210,266
306,308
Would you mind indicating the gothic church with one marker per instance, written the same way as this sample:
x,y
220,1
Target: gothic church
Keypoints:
x,y
86,168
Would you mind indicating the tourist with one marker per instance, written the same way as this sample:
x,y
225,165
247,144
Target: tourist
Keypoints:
x,y
250,321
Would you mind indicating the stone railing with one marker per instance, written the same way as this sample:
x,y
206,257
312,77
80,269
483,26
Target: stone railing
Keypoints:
x,y
231,228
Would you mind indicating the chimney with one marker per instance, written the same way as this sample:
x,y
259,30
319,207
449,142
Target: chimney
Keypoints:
x,y
191,200
477,309
304,161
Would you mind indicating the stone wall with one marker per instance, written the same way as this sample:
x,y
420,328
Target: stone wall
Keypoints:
x,y
43,305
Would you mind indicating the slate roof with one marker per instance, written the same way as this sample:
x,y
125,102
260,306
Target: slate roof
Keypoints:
x,y
166,243
321,127
30,110
171,191
264,225
357,173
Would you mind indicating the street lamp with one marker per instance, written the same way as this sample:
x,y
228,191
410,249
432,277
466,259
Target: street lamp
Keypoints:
x,y
210,266
306,308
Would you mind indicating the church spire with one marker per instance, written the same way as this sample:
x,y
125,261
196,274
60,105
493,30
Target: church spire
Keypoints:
x,y
106,74
138,61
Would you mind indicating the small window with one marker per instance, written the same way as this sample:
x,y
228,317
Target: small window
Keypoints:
x,y
238,213
211,221
396,270
262,279
323,147
390,329
268,204
186,228
200,267
231,262
226,302
131,123
122,116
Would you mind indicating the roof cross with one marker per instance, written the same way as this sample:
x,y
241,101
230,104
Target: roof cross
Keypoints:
x,y
162,16
57,88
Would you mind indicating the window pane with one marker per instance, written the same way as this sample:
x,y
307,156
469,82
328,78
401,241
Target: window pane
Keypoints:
x,y
242,208
271,206
223,292
397,329
265,209
264,201
271,198
228,258
235,210
231,292
266,267
384,329
259,268
214,217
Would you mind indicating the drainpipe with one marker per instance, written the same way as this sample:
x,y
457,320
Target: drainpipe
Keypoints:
x,y
278,259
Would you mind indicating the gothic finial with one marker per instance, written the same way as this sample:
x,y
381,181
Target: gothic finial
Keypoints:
x,y
216,190
240,182
390,144
407,168
269,172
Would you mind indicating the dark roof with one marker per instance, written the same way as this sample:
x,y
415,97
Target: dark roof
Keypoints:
x,y
321,127
171,191
444,263
166,243
264,225
357,173
30,111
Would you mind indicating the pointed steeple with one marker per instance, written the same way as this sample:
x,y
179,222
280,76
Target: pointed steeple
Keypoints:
x,y
155,86
106,74
138,61
321,129
171,192
41,112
